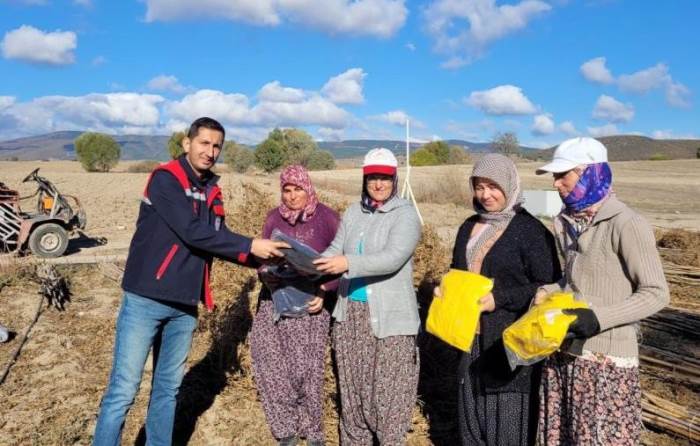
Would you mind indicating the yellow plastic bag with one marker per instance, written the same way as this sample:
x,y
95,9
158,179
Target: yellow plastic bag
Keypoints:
x,y
455,316
541,331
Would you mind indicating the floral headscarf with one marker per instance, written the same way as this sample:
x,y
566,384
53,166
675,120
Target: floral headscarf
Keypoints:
x,y
593,186
298,176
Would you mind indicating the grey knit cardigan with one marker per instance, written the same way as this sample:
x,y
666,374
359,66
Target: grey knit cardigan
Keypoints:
x,y
390,236
615,267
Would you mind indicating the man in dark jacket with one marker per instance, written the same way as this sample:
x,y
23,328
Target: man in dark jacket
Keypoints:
x,y
180,229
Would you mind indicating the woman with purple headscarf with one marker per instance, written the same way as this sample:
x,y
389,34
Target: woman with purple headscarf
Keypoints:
x,y
502,241
288,355
590,392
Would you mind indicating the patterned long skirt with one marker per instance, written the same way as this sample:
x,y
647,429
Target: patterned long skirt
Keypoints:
x,y
493,419
378,381
288,366
590,400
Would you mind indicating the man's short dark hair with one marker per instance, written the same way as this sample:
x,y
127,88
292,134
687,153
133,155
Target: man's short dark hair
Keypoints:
x,y
207,123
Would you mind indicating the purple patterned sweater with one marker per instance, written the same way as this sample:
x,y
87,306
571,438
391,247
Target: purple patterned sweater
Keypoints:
x,y
318,233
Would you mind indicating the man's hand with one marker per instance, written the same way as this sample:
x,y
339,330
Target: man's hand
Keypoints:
x,y
332,265
265,249
488,304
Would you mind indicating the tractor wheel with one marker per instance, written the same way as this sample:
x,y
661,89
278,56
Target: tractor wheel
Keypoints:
x,y
48,240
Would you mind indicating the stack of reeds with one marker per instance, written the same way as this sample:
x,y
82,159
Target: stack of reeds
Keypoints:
x,y
666,363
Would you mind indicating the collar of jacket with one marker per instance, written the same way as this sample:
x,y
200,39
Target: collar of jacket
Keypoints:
x,y
608,210
209,179
395,203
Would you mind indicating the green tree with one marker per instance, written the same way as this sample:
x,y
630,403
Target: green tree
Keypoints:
x,y
298,146
440,149
97,152
458,155
423,157
321,160
175,144
506,143
237,157
270,154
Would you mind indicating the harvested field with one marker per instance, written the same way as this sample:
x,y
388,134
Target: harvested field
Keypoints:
x,y
52,392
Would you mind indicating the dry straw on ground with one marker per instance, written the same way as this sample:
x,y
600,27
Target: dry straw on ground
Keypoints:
x,y
52,394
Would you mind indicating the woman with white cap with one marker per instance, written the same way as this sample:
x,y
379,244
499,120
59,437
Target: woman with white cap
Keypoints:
x,y
502,241
590,392
376,315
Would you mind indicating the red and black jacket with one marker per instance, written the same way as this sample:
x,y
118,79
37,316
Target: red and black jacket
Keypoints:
x,y
180,229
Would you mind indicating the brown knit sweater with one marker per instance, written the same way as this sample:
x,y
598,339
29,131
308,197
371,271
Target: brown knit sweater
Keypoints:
x,y
613,266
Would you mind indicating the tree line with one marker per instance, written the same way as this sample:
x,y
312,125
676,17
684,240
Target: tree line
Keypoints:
x,y
98,152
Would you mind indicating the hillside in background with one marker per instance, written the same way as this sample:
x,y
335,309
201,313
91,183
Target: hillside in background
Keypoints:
x,y
633,147
59,146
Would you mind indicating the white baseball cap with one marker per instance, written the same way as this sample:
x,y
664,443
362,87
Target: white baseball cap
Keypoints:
x,y
575,152
380,160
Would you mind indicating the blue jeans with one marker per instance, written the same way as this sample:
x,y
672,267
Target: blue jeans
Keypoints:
x,y
144,323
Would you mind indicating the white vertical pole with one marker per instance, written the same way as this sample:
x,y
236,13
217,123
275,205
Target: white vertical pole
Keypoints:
x,y
408,150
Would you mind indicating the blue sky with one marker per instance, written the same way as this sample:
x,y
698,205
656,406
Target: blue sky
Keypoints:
x,y
342,69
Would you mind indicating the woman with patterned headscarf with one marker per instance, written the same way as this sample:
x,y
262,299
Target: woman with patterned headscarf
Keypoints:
x,y
590,392
288,355
502,241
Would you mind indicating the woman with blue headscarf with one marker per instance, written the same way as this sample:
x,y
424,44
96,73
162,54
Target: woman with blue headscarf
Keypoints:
x,y
590,392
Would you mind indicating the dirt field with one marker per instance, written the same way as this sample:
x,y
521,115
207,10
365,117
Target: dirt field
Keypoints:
x,y
52,393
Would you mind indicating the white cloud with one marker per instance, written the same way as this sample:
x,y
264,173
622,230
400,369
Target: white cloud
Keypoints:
x,y
395,117
610,109
328,134
543,125
166,83
99,60
463,29
275,92
501,100
595,71
645,80
6,101
246,119
568,128
677,94
656,77
258,12
605,130
111,112
380,18
640,82
410,46
230,108
315,110
670,134
33,45
346,88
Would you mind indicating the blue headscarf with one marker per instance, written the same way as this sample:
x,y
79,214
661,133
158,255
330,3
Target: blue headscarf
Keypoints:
x,y
592,186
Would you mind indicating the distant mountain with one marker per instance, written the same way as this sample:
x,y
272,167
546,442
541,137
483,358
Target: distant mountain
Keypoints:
x,y
633,147
59,145
357,148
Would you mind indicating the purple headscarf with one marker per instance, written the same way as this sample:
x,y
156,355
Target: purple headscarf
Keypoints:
x,y
298,176
592,187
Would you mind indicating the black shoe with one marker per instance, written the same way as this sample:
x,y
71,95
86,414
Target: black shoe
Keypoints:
x,y
289,441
